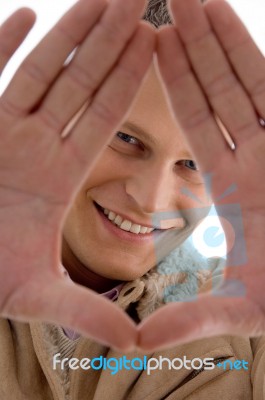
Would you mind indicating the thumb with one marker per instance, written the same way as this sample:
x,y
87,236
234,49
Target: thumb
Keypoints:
x,y
64,303
205,316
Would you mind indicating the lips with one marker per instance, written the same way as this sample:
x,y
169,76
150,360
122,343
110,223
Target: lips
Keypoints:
x,y
124,223
122,234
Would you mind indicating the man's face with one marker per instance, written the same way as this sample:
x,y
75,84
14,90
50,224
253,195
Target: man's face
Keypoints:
x,y
142,172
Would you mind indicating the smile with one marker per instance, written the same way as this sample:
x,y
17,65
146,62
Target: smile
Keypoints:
x,y
124,224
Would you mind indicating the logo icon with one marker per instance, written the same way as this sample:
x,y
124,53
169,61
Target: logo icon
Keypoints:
x,y
219,233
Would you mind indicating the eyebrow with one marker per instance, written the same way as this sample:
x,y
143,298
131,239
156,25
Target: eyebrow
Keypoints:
x,y
149,138
140,131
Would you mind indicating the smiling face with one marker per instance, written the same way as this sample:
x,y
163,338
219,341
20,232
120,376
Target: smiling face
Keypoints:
x,y
140,174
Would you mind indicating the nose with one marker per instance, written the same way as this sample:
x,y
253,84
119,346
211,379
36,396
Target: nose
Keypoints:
x,y
152,187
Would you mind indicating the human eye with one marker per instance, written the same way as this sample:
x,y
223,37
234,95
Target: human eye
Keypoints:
x,y
192,165
188,170
127,138
127,144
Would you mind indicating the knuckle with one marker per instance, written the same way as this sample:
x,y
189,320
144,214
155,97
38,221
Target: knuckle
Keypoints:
x,y
176,80
112,31
5,51
104,113
11,109
199,38
221,84
233,48
50,119
35,72
83,78
197,118
128,74
62,29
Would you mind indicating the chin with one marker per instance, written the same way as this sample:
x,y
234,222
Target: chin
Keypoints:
x,y
122,272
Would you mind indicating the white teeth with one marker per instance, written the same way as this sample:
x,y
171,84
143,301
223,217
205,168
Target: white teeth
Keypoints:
x,y
143,229
111,216
118,220
135,228
125,224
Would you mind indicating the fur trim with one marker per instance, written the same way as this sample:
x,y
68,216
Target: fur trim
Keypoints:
x,y
177,278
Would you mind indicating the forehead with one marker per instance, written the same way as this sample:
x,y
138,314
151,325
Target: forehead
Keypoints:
x,y
151,112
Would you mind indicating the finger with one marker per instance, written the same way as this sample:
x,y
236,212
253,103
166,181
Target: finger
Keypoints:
x,y
12,33
45,62
225,93
243,53
91,64
70,305
111,104
207,316
189,104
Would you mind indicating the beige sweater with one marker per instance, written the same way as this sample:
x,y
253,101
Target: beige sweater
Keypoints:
x,y
27,351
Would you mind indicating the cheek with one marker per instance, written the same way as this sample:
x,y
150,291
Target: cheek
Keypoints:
x,y
194,195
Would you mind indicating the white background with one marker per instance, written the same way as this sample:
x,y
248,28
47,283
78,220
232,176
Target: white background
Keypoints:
x,y
252,12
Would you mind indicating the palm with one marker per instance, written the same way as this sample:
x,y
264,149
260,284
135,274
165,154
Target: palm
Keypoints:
x,y
41,172
236,305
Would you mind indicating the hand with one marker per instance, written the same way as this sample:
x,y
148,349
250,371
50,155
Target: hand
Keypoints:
x,y
40,173
13,32
210,65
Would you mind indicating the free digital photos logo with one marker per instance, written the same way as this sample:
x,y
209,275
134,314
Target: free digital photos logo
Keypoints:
x,y
209,238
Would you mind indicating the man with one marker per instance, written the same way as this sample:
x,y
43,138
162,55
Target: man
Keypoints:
x,y
25,294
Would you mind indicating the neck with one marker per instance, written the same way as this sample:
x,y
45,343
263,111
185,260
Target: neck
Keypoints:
x,y
82,275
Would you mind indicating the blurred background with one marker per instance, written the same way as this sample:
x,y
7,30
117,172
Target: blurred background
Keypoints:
x,y
208,238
